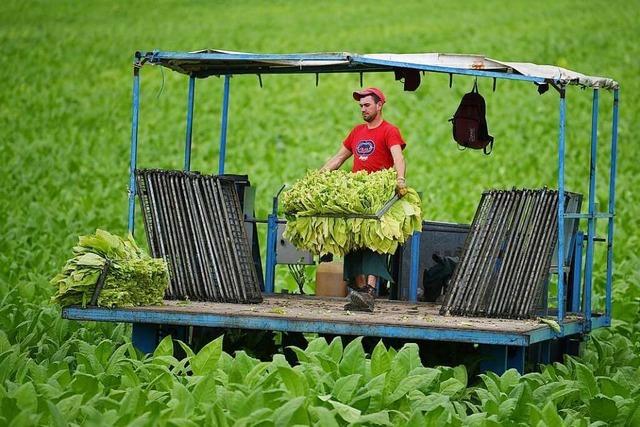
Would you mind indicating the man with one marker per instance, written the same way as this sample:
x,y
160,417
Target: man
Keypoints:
x,y
375,145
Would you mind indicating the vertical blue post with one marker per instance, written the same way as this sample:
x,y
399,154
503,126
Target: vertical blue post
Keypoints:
x,y
612,201
134,146
270,268
145,337
223,125
415,265
577,272
591,229
561,143
187,143
494,358
272,236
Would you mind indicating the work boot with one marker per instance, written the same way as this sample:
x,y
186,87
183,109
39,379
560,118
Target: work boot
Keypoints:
x,y
361,300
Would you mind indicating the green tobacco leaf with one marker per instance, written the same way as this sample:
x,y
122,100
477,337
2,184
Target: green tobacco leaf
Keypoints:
x,y
408,384
380,360
460,373
451,387
294,381
26,397
610,387
550,416
317,345
345,387
56,418
207,358
335,349
551,323
323,417
603,408
353,358
291,413
70,407
165,347
204,391
300,353
346,412
508,380
586,379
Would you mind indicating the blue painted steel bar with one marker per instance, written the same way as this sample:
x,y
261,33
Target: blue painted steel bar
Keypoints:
x,y
337,327
223,125
587,216
545,333
577,273
167,55
612,200
270,267
187,143
439,69
591,229
600,321
561,146
134,147
415,264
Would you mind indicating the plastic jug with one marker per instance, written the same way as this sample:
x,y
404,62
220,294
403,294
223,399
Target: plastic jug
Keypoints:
x,y
329,281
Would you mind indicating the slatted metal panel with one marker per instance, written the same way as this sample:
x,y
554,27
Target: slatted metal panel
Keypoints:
x,y
507,255
195,223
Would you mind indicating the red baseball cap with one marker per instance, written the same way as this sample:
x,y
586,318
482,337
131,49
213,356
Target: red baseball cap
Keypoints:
x,y
369,91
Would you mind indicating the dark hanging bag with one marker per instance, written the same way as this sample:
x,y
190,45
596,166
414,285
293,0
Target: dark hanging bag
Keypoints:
x,y
470,122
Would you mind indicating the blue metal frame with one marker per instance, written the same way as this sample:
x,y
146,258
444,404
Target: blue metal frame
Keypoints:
x,y
415,264
145,334
272,236
576,290
187,142
561,146
134,148
612,200
339,327
223,125
463,71
591,227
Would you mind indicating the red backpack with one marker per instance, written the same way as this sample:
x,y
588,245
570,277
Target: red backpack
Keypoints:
x,y
470,123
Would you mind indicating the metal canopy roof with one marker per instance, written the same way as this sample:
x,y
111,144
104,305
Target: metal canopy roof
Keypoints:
x,y
207,63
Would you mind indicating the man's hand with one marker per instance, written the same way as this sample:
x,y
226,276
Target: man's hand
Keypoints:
x,y
401,187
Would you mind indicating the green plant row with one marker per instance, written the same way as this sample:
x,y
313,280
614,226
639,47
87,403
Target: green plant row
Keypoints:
x,y
54,372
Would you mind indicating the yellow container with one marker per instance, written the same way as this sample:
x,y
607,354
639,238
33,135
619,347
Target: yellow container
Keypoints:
x,y
329,281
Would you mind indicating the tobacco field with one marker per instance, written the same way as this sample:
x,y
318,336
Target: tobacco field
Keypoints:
x,y
65,110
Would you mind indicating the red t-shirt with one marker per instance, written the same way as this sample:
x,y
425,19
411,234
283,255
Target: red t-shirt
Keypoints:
x,y
371,148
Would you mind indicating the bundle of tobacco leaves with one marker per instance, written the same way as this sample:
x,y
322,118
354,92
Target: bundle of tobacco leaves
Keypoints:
x,y
133,277
341,194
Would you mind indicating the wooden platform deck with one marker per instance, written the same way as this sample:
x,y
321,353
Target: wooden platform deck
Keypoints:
x,y
326,315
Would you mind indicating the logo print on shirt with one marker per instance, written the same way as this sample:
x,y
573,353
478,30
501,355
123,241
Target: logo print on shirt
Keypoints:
x,y
365,148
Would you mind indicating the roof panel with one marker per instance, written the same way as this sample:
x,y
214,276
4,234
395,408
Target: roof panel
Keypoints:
x,y
210,62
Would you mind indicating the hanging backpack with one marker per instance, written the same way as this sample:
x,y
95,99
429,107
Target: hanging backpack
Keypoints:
x,y
470,123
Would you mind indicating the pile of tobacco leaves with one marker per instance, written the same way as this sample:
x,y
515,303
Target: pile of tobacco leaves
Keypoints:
x,y
133,277
318,209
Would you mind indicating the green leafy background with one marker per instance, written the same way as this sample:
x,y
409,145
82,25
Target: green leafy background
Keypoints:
x,y
64,130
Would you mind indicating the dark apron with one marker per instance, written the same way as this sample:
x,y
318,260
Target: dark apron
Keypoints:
x,y
365,261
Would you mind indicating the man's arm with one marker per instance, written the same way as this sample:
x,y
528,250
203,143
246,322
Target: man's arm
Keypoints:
x,y
398,160
399,166
336,161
